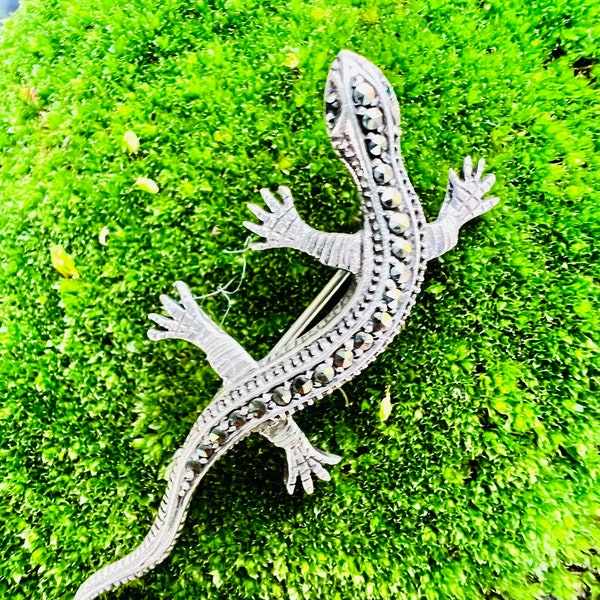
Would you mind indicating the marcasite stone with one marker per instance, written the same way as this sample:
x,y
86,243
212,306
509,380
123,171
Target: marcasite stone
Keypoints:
x,y
399,272
399,222
218,436
382,172
282,396
382,321
257,409
302,384
372,119
204,451
392,294
194,466
343,358
363,341
365,94
376,144
236,420
324,373
391,198
402,248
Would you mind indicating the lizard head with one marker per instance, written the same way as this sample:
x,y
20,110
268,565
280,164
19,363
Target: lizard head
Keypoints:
x,y
357,92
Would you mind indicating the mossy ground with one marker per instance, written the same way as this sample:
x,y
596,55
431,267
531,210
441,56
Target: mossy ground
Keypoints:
x,y
483,481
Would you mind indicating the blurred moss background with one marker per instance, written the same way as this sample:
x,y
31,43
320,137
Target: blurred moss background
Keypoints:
x,y
483,482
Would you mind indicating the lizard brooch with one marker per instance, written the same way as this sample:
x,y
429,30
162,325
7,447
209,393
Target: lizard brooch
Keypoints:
x,y
380,271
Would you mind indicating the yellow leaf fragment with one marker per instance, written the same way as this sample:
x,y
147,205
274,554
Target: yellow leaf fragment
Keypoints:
x,y
291,60
62,262
29,94
131,141
284,164
385,409
147,184
371,15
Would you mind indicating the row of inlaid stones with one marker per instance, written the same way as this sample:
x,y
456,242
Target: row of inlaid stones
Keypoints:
x,y
373,125
282,395
323,374
398,222
372,122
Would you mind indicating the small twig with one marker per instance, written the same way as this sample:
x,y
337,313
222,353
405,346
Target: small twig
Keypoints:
x,y
343,393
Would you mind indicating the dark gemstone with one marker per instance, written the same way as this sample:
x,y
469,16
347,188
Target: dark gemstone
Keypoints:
x,y
399,272
343,358
302,384
281,396
257,409
363,341
382,321
382,172
399,222
372,119
204,451
392,294
391,198
236,419
402,248
324,373
193,465
364,94
218,436
376,144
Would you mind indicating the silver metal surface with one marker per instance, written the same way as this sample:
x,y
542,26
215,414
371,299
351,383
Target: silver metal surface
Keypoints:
x,y
386,260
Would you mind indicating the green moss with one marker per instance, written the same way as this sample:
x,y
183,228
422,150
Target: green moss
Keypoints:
x,y
482,482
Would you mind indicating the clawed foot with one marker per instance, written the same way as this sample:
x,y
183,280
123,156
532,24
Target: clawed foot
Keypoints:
x,y
303,462
303,459
188,321
464,196
282,227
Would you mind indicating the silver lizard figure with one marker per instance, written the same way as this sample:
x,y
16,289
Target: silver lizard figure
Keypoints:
x,y
382,268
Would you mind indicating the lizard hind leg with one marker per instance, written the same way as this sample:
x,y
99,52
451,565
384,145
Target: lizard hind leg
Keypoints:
x,y
303,459
304,462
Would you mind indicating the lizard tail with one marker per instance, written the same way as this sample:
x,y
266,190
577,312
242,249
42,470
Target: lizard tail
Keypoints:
x,y
153,550
190,463
216,430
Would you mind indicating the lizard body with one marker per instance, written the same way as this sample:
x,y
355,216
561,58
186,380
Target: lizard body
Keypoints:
x,y
386,261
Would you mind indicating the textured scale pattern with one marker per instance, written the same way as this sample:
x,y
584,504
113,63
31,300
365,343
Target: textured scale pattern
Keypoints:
x,y
387,261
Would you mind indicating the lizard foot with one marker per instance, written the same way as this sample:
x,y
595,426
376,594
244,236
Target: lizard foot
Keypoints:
x,y
464,201
464,196
305,461
186,321
281,225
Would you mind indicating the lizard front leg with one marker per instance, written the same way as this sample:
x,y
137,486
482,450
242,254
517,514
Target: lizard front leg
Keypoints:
x,y
187,321
283,227
463,202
